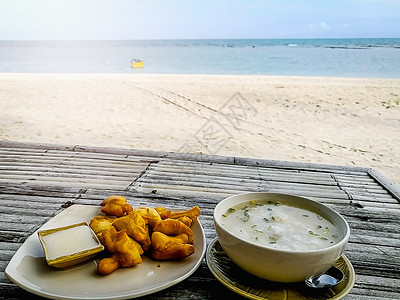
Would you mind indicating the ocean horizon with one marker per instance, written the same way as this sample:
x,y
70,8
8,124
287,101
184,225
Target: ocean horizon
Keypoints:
x,y
360,57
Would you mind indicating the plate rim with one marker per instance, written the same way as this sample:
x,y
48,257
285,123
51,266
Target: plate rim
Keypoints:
x,y
243,293
10,271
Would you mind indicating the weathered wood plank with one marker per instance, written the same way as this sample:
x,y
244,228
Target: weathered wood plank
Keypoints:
x,y
29,198
12,152
390,186
67,170
67,183
191,190
61,162
22,218
187,157
254,172
374,228
52,176
221,175
30,211
246,183
11,187
12,247
37,181
74,161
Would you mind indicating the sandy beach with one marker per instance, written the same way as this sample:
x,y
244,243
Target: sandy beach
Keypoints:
x,y
340,121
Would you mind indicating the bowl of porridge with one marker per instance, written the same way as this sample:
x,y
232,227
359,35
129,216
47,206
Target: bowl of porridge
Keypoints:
x,y
280,237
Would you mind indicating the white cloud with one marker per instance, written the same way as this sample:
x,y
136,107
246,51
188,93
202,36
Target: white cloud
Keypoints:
x,y
324,25
319,26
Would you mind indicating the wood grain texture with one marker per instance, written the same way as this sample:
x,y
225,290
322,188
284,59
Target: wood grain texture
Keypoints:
x,y
38,181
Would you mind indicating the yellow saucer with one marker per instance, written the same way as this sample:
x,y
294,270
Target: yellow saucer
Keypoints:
x,y
252,287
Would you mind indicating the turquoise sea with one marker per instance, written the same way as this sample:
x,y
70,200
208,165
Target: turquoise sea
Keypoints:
x,y
303,57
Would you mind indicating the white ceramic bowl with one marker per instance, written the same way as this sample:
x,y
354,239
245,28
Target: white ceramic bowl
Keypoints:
x,y
274,264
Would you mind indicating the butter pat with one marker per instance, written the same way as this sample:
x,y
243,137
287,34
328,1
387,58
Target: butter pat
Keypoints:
x,y
69,245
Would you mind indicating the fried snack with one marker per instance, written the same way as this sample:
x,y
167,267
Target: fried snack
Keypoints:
x,y
115,206
100,223
174,227
186,220
149,214
108,238
118,241
192,213
135,227
129,251
108,265
125,233
126,252
167,248
122,199
164,213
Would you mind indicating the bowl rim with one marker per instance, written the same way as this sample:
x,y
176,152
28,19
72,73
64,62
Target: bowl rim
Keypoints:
x,y
343,241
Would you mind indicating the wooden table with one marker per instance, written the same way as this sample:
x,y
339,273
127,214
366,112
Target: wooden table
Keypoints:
x,y
39,181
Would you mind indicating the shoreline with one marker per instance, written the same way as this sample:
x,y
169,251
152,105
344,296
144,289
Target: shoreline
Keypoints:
x,y
330,120
134,72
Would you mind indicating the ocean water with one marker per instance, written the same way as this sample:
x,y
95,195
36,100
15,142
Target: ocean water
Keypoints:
x,y
379,58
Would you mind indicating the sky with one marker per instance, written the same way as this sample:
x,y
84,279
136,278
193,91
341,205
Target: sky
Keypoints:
x,y
197,19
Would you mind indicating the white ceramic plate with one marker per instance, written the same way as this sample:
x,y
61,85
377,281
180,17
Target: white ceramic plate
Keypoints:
x,y
29,270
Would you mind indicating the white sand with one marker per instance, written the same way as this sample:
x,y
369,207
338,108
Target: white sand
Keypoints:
x,y
341,121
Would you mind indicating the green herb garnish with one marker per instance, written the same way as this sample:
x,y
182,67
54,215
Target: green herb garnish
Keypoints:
x,y
246,216
256,230
317,235
273,239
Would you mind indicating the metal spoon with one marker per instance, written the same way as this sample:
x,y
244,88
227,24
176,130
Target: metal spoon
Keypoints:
x,y
330,278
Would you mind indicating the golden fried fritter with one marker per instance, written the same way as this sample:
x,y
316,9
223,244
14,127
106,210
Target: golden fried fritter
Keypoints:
x,y
170,247
192,213
174,227
135,227
121,199
164,213
186,220
115,206
108,265
126,252
100,223
149,214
